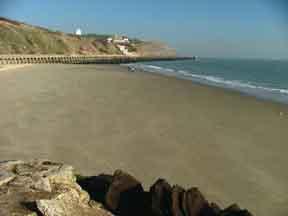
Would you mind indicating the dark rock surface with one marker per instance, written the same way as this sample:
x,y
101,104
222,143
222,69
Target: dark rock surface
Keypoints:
x,y
161,198
124,195
120,193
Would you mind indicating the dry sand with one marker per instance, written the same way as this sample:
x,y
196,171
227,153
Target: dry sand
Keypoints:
x,y
100,118
9,67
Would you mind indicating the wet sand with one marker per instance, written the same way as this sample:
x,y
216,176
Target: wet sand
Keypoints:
x,y
100,118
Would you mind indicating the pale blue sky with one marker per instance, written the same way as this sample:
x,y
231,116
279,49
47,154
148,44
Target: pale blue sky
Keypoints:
x,y
222,28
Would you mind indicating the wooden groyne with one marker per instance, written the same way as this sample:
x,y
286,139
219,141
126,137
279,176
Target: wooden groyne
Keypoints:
x,y
78,59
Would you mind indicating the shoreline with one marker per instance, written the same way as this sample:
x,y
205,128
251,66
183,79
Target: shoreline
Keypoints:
x,y
198,83
99,118
268,96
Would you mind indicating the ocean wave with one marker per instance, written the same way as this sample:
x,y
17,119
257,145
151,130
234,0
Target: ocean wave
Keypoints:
x,y
233,83
153,67
160,69
213,80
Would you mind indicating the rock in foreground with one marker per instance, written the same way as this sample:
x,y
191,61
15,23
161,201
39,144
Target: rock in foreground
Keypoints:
x,y
124,195
50,189
43,188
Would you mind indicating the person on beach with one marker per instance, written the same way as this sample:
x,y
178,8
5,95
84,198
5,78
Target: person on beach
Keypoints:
x,y
131,69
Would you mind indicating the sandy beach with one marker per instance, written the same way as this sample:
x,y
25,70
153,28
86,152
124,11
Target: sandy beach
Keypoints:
x,y
11,67
100,118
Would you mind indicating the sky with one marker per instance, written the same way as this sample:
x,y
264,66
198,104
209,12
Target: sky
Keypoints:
x,y
206,28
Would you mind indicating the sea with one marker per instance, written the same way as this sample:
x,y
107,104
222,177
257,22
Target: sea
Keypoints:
x,y
264,79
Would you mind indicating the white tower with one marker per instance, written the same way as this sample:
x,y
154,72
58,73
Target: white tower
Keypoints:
x,y
78,32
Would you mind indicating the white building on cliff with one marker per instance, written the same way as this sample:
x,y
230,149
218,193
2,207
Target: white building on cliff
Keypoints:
x,y
118,39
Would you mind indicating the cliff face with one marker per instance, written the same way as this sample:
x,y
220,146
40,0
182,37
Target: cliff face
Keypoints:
x,y
155,48
46,188
21,38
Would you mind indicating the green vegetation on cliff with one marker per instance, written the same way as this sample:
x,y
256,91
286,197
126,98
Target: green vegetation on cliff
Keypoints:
x,y
21,38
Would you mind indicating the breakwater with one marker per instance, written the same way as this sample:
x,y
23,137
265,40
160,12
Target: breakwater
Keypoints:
x,y
42,187
79,59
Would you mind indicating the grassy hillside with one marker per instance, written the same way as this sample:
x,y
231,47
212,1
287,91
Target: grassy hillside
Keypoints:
x,y
20,38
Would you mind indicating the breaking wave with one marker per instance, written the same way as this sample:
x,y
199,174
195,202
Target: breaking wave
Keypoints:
x,y
242,86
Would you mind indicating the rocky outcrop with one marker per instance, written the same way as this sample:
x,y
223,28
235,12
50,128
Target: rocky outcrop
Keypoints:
x,y
124,195
46,188
43,188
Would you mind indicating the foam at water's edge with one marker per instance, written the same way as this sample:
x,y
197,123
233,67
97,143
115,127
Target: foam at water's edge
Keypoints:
x,y
276,94
233,83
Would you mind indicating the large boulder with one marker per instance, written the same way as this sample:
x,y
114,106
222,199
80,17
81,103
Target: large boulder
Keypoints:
x,y
43,188
177,201
121,193
96,186
124,193
161,198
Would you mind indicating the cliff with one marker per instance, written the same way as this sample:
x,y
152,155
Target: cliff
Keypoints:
x,y
20,38
46,188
